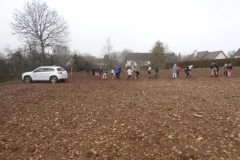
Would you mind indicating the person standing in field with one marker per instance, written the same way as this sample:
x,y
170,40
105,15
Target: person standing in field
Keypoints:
x,y
214,68
174,70
87,71
179,69
118,72
229,70
129,71
156,72
100,71
190,69
104,75
93,71
149,72
187,70
112,72
225,69
97,72
137,74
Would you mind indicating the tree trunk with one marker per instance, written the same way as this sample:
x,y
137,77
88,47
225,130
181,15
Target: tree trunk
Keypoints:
x,y
43,54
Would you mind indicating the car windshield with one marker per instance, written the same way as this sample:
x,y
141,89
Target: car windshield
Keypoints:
x,y
60,69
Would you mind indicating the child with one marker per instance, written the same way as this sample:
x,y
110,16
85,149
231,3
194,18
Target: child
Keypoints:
x,y
225,70
112,72
186,70
149,72
229,70
137,74
129,71
174,70
104,75
179,69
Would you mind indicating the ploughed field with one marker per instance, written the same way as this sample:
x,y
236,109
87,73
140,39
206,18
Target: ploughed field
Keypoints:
x,y
90,118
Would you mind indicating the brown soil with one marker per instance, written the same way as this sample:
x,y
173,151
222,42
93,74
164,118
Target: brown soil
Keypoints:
x,y
90,118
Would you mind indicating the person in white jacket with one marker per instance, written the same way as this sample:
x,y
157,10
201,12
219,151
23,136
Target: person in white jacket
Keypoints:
x,y
112,72
174,70
149,72
129,71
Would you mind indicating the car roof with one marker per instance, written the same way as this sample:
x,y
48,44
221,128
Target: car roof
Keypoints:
x,y
51,66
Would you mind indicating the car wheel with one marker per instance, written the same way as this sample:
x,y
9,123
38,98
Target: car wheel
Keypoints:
x,y
27,79
53,79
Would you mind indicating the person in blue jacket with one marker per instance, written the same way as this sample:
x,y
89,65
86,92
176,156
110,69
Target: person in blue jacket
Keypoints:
x,y
118,70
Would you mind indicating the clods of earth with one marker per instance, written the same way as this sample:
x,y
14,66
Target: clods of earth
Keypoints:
x,y
90,118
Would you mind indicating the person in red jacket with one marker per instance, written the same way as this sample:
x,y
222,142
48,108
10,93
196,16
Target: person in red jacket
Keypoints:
x,y
179,69
229,70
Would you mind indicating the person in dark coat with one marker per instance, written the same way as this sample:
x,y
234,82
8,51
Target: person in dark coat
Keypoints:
x,y
156,72
214,68
137,74
93,71
187,71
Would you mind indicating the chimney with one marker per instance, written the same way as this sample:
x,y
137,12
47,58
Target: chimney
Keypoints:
x,y
195,53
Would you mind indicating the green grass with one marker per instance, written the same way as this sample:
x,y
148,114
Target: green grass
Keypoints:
x,y
10,82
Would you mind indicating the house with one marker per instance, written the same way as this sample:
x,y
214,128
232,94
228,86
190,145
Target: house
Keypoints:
x,y
137,60
105,62
205,55
237,54
100,62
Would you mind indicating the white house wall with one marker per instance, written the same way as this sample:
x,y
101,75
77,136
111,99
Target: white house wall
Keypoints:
x,y
220,56
129,63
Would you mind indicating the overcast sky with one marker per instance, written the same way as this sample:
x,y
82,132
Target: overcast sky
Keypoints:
x,y
184,25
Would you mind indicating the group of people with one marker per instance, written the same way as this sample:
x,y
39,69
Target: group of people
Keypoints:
x,y
150,72
176,71
227,70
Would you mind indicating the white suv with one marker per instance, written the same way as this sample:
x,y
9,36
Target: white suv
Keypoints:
x,y
46,73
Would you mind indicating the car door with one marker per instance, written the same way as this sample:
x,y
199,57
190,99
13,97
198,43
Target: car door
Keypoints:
x,y
47,72
37,74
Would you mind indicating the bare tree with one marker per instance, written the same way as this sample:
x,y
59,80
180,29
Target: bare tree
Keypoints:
x,y
122,56
107,53
108,48
231,54
38,23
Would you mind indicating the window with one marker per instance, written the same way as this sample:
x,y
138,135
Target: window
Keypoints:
x,y
48,69
39,70
60,69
